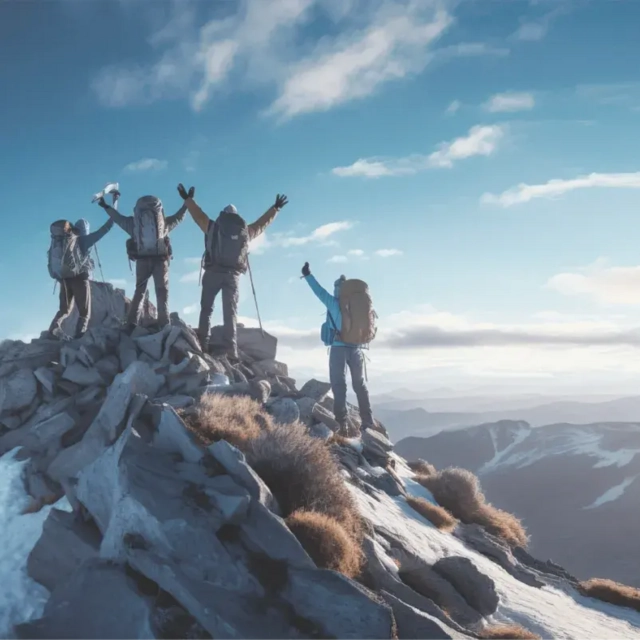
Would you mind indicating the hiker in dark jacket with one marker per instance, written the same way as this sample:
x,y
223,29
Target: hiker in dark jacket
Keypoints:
x,y
341,356
227,241
77,290
150,247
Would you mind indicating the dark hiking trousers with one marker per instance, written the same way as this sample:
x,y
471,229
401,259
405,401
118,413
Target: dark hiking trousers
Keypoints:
x,y
158,269
213,282
339,359
74,291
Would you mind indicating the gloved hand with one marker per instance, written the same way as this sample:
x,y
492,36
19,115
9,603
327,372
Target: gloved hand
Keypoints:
x,y
305,270
281,200
182,191
102,203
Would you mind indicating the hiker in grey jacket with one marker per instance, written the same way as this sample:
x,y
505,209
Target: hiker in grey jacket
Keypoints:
x,y
77,290
150,247
226,242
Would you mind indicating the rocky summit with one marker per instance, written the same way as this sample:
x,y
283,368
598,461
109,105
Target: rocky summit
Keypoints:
x,y
178,495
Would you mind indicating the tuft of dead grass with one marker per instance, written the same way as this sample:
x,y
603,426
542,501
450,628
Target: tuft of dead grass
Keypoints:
x,y
438,516
326,541
422,467
507,632
611,592
459,492
236,419
302,474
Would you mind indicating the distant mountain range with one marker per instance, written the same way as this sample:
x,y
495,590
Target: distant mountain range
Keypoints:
x,y
575,487
403,420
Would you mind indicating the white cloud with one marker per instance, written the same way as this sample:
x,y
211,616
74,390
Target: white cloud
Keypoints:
x,y
192,276
453,107
358,253
388,253
146,164
480,141
510,102
337,259
531,31
558,187
606,285
321,235
259,244
192,309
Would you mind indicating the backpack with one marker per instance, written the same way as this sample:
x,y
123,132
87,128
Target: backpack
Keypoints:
x,y
358,315
149,230
65,260
227,243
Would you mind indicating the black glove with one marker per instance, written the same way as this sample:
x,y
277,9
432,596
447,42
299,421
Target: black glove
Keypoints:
x,y
281,200
182,191
192,192
102,203
305,270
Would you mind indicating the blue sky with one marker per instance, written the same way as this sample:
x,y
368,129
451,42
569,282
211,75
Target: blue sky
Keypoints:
x,y
473,161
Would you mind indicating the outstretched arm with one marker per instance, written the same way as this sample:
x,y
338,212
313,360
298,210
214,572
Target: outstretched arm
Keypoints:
x,y
258,227
173,221
124,222
198,215
96,236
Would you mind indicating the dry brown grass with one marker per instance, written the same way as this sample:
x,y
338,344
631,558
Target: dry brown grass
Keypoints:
x,y
302,474
236,419
438,516
611,592
422,467
326,541
507,632
459,492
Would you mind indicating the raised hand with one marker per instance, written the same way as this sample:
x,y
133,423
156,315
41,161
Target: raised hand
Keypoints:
x,y
192,191
182,191
102,203
305,270
281,200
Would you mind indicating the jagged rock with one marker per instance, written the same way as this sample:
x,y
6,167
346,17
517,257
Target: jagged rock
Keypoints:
x,y
127,352
259,390
68,355
153,345
322,415
320,431
264,368
11,422
414,624
256,343
98,601
305,406
66,543
16,355
177,401
46,377
46,436
88,396
375,444
235,464
109,367
171,435
315,389
546,567
89,354
17,391
284,410
80,375
476,588
380,479
339,607
187,334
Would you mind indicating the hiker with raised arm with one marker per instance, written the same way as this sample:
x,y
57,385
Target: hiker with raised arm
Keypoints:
x,y
150,247
348,329
70,263
226,258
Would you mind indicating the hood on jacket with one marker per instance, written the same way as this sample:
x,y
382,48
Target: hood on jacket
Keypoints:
x,y
82,227
337,286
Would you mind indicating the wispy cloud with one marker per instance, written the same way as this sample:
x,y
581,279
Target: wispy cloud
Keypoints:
x,y
557,187
618,94
191,277
453,107
357,253
510,102
536,29
320,235
337,259
191,309
602,283
388,253
146,164
480,141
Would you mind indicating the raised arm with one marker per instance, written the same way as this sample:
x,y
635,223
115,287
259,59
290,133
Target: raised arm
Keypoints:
x,y
330,302
259,226
173,221
198,215
124,222
96,236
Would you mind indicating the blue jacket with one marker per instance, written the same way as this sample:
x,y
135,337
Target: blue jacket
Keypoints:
x,y
333,323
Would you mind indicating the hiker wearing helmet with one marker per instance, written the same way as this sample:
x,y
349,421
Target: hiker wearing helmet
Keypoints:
x,y
225,258
348,329
70,263
149,246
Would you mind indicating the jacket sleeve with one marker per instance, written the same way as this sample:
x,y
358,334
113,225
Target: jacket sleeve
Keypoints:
x,y
198,215
92,238
259,226
329,301
124,222
173,221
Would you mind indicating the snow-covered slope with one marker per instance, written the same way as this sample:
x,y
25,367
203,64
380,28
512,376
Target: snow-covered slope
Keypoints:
x,y
566,482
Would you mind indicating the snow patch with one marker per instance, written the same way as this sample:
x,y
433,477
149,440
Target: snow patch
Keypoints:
x,y
521,434
612,494
21,599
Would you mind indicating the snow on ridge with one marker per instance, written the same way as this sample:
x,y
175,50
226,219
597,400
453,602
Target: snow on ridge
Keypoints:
x,y
612,494
521,433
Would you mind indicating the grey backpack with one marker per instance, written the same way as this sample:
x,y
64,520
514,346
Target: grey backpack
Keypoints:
x,y
65,259
227,242
149,229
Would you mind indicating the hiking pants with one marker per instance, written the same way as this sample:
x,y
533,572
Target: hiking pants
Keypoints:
x,y
74,291
339,359
212,283
158,269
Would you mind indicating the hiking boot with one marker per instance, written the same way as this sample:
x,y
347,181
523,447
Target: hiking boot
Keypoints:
x,y
343,431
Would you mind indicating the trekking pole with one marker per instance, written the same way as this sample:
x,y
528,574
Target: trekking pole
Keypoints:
x,y
99,263
255,298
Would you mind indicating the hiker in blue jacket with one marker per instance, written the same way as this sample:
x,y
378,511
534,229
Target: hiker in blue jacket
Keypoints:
x,y
341,356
